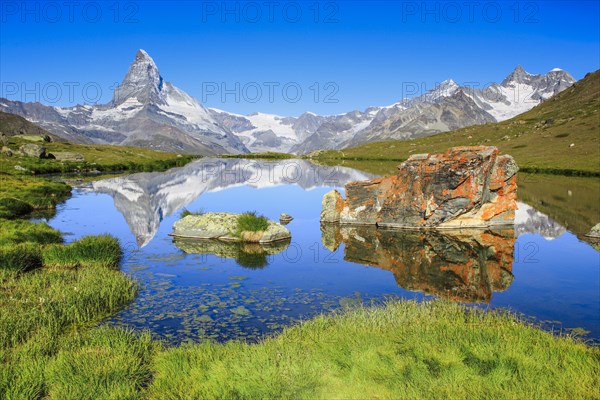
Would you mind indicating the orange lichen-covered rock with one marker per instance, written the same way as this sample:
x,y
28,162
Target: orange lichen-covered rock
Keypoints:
x,y
463,187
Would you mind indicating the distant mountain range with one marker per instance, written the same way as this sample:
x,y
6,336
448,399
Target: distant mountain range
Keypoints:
x,y
147,111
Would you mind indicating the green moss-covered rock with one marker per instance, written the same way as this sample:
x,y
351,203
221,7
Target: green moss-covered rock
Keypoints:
x,y
225,226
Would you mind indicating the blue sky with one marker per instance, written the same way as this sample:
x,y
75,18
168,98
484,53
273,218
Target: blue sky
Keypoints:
x,y
342,55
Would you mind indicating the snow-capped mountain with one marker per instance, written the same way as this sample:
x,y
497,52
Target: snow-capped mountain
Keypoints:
x,y
446,107
266,132
520,91
145,111
449,106
261,132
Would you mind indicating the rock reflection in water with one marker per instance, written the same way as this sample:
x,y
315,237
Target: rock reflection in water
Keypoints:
x,y
466,265
248,255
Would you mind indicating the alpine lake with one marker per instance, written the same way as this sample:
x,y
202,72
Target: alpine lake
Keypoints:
x,y
544,269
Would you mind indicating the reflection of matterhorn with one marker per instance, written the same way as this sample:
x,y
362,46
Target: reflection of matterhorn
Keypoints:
x,y
145,199
530,220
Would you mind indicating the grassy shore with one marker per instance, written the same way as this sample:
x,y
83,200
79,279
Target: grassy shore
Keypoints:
x,y
97,158
402,350
53,295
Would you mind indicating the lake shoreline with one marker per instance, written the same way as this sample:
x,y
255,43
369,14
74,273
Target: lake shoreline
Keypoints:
x,y
425,343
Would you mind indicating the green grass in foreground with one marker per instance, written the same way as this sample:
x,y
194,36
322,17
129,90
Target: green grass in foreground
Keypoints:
x,y
20,257
91,251
46,314
430,350
43,313
403,350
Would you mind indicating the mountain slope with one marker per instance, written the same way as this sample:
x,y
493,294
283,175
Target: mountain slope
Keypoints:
x,y
449,107
146,111
562,133
15,125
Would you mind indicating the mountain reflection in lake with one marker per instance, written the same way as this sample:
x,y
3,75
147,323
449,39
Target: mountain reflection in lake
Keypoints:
x,y
204,289
145,199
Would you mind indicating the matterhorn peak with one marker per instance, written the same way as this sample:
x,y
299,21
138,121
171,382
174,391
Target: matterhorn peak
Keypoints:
x,y
142,81
143,54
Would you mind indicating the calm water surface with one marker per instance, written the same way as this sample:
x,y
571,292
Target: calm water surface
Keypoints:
x,y
194,290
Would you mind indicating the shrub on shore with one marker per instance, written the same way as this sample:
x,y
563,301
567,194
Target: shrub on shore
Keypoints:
x,y
251,222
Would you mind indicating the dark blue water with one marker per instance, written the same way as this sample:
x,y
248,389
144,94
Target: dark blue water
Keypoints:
x,y
542,270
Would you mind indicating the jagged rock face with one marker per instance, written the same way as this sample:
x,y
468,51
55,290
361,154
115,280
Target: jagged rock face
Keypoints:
x,y
142,82
455,112
465,265
464,187
334,131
